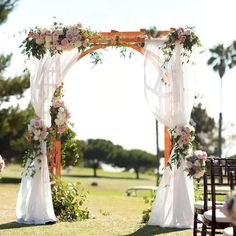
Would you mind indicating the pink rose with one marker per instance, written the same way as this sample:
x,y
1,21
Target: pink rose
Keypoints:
x,y
201,155
64,42
37,123
184,140
61,128
69,36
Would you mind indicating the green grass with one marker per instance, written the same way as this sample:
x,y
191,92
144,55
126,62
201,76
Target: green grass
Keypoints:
x,y
114,213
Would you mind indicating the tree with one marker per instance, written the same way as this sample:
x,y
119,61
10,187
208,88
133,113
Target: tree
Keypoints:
x,y
132,159
13,120
205,130
6,6
220,59
97,150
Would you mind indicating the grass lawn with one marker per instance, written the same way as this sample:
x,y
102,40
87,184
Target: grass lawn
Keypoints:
x,y
114,213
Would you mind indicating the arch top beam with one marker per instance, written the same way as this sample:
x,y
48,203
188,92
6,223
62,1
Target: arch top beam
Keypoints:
x,y
130,39
123,37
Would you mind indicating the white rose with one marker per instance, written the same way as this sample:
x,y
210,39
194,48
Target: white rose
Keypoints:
x,y
37,134
61,109
39,41
47,45
48,39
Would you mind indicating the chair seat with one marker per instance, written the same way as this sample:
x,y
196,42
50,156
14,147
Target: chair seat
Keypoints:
x,y
228,231
200,204
220,217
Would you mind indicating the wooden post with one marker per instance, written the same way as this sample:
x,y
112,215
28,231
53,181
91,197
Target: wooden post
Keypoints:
x,y
167,146
58,158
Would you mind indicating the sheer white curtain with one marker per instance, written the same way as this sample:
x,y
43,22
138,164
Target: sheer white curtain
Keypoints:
x,y
169,93
34,202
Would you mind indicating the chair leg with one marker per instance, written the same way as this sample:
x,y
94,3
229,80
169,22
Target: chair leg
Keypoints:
x,y
213,231
195,223
204,228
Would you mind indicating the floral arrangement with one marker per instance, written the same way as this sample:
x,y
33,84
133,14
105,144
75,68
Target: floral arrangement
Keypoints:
x,y
37,132
195,164
183,138
57,39
2,164
59,113
229,208
186,37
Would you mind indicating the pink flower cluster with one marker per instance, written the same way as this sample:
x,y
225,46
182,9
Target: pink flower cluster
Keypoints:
x,y
61,37
229,208
195,164
183,138
183,135
2,164
36,130
62,116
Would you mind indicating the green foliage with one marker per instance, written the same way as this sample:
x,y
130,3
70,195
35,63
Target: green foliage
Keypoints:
x,y
68,201
70,148
6,6
13,120
146,213
205,130
13,128
13,87
219,59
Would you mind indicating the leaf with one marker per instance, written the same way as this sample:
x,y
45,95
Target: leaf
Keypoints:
x,y
211,60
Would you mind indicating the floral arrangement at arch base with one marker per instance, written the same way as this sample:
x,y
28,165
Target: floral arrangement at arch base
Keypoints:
x,y
37,134
195,164
183,138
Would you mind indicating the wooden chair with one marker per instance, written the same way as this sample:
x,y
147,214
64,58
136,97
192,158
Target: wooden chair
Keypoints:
x,y
218,184
203,204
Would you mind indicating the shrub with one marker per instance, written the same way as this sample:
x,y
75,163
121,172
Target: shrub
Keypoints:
x,y
147,212
68,200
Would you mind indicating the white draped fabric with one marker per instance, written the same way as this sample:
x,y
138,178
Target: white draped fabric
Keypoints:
x,y
169,93
34,202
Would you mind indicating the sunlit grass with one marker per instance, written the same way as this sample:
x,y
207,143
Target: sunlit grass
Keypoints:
x,y
113,212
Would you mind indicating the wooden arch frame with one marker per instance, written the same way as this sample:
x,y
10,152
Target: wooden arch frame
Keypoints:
x,y
132,39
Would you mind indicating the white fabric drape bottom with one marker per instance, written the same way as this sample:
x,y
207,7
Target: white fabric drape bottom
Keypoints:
x,y
34,202
173,205
169,90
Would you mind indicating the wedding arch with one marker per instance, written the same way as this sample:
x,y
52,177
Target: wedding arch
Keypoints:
x,y
168,90
131,39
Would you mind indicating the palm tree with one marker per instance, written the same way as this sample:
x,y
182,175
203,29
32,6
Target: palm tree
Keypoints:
x,y
220,59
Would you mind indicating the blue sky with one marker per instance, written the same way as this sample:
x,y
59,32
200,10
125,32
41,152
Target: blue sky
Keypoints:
x,y
107,101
